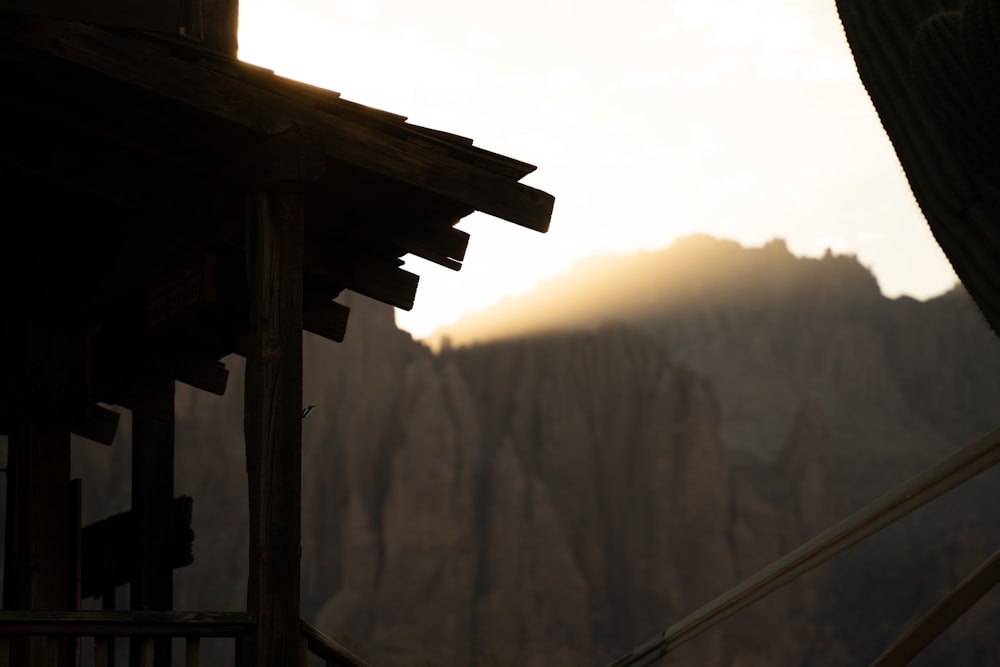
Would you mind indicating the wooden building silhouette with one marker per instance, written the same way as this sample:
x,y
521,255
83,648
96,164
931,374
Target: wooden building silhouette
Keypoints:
x,y
165,205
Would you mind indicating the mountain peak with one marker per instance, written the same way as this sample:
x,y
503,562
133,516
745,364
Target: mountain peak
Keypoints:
x,y
696,271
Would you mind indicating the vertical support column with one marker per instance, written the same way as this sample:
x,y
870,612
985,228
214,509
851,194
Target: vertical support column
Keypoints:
x,y
152,585
37,568
273,423
219,24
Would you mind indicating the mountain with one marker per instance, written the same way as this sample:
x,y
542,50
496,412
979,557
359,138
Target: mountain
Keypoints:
x,y
771,330
562,494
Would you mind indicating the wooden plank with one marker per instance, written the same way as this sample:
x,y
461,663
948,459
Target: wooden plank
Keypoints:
x,y
36,565
107,546
396,287
125,623
376,277
49,366
121,384
273,422
145,656
201,373
267,113
160,15
192,646
102,653
75,560
218,24
329,650
41,651
101,425
324,317
108,604
152,499
444,246
129,385
180,294
74,159
294,155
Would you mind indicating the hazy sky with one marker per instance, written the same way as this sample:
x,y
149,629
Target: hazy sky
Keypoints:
x,y
647,119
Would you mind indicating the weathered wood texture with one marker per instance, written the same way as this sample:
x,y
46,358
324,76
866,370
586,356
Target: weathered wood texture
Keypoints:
x,y
273,422
476,178
218,22
152,511
108,547
328,650
125,623
47,629
158,15
37,574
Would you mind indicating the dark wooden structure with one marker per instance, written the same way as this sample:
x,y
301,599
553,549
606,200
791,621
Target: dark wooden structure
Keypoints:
x,y
165,205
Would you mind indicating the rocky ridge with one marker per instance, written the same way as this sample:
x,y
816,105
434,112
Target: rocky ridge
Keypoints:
x,y
561,497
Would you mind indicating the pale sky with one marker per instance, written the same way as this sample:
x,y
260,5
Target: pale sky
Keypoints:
x,y
648,120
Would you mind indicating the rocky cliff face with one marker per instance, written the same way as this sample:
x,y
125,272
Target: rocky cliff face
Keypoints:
x,y
559,498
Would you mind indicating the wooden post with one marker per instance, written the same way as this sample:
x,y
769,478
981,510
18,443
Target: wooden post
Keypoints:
x,y
152,585
273,423
37,567
219,21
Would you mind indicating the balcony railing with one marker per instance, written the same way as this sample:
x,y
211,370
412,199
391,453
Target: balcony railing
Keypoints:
x,y
55,635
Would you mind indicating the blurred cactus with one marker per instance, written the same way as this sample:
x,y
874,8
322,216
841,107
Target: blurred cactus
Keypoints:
x,y
980,29
932,70
943,78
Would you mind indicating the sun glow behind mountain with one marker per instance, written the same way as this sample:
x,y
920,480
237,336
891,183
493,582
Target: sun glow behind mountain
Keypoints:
x,y
648,121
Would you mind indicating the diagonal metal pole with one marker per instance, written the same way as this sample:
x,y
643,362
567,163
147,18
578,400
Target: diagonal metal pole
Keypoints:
x,y
938,619
916,492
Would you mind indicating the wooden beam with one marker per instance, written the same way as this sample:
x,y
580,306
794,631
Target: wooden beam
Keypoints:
x,y
294,155
158,15
128,386
152,499
180,294
329,650
360,143
101,425
325,318
218,22
107,545
394,286
377,277
126,623
206,374
37,564
38,522
273,422
445,246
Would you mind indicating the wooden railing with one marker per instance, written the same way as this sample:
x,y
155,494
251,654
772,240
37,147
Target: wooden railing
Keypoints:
x,y
50,633
326,649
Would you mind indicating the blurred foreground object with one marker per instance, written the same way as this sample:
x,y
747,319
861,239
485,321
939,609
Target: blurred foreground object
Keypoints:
x,y
932,71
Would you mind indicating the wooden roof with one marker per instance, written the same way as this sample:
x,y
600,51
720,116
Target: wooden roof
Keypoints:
x,y
126,165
